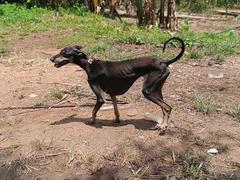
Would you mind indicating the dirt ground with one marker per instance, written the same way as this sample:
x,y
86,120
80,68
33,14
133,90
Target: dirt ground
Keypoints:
x,y
58,144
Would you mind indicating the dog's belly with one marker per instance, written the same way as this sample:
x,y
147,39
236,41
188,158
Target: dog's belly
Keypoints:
x,y
119,86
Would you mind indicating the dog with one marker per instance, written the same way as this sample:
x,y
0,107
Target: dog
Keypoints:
x,y
115,78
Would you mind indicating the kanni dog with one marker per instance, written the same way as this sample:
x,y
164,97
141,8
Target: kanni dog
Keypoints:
x,y
115,78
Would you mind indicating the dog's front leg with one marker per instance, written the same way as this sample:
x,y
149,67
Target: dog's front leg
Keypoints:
x,y
100,100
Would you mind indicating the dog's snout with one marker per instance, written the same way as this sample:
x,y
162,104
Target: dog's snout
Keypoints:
x,y
52,59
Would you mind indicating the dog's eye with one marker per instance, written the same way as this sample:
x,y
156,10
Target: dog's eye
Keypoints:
x,y
64,53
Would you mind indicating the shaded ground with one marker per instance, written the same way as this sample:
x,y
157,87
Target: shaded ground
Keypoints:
x,y
58,144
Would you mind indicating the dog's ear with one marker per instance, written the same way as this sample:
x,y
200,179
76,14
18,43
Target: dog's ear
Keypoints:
x,y
77,47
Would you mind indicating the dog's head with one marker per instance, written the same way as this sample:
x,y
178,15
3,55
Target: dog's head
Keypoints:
x,y
72,54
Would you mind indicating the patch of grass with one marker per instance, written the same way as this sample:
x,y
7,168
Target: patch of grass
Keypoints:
x,y
218,59
40,145
3,51
204,104
194,54
234,175
97,47
4,46
56,94
80,154
215,45
17,18
21,96
194,167
39,104
235,112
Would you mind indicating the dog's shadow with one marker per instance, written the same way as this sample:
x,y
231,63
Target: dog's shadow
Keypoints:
x,y
138,123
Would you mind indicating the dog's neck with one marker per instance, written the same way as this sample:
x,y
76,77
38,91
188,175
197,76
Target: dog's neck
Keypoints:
x,y
85,63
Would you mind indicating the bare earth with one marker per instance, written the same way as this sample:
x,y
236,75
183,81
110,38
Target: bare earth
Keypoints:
x,y
58,144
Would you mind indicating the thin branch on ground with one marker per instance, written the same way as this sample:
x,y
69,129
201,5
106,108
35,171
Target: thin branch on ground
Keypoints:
x,y
66,84
36,107
50,155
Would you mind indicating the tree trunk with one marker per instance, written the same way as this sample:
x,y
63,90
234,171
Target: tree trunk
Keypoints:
x,y
153,12
112,7
161,15
139,11
149,12
92,5
171,21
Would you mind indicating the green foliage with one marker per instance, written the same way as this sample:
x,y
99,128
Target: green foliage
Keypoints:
x,y
204,104
39,104
229,3
56,94
217,59
235,112
186,26
195,54
50,3
198,6
85,28
132,39
194,167
217,46
4,46
97,47
12,13
76,9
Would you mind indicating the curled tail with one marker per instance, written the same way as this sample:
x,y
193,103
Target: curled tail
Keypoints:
x,y
180,54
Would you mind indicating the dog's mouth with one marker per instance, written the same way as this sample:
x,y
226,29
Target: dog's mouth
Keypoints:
x,y
59,60
59,64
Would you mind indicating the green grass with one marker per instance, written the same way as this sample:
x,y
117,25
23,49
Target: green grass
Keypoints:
x,y
97,47
39,104
56,94
99,34
4,46
204,104
194,167
235,112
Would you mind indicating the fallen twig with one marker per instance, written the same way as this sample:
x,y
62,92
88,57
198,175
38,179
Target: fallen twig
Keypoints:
x,y
36,107
50,155
10,147
173,156
143,172
30,167
61,100
107,158
66,84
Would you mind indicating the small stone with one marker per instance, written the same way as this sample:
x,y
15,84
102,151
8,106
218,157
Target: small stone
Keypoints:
x,y
33,95
212,151
215,76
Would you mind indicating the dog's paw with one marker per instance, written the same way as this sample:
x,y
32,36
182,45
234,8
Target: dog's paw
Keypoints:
x,y
161,128
162,132
91,122
117,121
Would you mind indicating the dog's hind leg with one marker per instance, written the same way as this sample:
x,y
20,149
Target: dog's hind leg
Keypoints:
x,y
114,101
152,90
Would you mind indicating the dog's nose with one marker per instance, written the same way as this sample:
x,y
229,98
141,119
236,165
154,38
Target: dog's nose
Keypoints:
x,y
52,59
